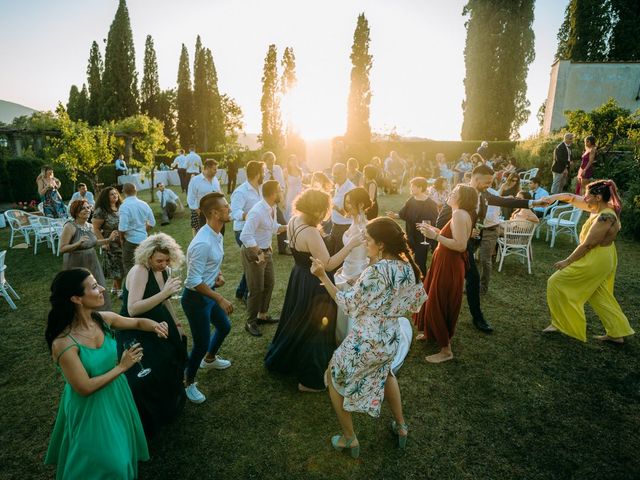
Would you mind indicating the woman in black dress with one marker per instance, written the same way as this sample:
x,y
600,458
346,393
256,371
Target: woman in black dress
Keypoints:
x,y
147,291
418,208
371,186
305,339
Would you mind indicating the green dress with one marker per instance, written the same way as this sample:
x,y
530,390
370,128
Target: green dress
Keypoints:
x,y
98,436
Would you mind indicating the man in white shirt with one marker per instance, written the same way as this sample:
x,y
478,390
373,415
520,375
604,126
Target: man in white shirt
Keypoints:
x,y
488,243
201,303
340,221
257,257
83,194
121,166
243,199
169,203
136,219
193,162
537,192
199,186
274,172
180,162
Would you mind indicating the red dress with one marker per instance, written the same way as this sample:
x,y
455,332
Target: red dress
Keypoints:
x,y
444,286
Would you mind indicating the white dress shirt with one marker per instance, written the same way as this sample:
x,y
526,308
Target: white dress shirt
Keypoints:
x,y
180,162
492,218
135,214
277,175
193,162
87,196
338,201
199,186
204,258
166,196
243,199
121,165
260,226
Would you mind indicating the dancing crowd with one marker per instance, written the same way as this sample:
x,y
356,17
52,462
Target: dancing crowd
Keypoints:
x,y
357,284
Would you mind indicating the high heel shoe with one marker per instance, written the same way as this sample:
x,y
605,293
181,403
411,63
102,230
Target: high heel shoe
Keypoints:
x,y
355,451
402,439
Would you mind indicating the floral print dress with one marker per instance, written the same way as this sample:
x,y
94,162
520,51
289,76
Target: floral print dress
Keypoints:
x,y
359,367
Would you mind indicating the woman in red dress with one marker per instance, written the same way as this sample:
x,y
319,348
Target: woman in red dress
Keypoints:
x,y
585,172
445,279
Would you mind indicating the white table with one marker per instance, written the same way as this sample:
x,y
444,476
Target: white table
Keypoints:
x,y
168,177
137,179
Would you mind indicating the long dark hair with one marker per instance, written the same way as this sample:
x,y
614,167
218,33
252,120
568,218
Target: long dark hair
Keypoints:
x,y
390,234
104,203
65,285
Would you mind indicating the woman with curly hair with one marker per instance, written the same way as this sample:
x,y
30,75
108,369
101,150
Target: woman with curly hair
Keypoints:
x,y
148,288
588,274
105,220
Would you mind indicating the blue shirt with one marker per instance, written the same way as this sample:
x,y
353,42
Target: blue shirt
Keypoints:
x,y
135,215
537,195
260,226
87,196
120,165
204,258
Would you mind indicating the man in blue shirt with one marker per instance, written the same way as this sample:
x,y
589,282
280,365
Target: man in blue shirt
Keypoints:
x,y
136,220
83,194
537,192
121,166
202,304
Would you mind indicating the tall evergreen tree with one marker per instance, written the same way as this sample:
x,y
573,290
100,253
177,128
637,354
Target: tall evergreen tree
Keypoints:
x,y
120,80
625,35
95,70
201,98
72,103
289,78
150,86
83,103
293,141
216,127
184,101
358,127
271,134
166,108
498,51
583,35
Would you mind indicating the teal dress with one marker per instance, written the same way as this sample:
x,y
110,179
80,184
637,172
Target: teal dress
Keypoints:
x,y
99,436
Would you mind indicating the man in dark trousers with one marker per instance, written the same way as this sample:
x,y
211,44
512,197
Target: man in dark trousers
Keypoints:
x,y
481,179
561,164
232,173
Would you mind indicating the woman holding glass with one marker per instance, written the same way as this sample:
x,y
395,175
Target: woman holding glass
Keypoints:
x,y
445,280
97,433
48,186
105,220
148,288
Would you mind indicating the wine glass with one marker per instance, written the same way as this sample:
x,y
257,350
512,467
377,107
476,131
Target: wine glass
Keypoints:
x,y
424,223
175,273
143,371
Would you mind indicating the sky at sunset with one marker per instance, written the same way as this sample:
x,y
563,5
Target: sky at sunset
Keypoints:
x,y
417,47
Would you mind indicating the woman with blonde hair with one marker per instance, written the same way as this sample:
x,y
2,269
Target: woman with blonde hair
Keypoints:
x,y
148,288
48,186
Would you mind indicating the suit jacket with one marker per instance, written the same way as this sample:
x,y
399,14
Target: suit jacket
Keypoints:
x,y
561,158
486,199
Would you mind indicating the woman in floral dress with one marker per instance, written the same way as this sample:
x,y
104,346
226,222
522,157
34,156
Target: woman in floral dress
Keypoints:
x,y
105,220
359,374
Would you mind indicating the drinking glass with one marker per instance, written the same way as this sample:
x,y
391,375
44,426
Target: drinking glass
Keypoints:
x,y
175,273
424,242
143,371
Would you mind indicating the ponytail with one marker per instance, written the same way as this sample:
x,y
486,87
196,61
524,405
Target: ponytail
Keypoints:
x,y
408,255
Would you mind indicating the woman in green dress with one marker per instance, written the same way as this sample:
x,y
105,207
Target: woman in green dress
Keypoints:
x,y
97,433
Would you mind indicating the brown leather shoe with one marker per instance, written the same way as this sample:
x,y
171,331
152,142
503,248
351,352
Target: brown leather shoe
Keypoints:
x,y
253,329
269,319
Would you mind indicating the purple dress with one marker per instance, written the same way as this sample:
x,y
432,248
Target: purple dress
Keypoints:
x,y
586,174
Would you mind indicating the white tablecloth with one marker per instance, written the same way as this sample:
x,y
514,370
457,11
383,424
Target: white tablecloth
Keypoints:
x,y
168,177
137,180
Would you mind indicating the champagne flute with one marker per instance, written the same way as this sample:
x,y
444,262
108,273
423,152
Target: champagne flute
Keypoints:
x,y
424,223
175,273
143,371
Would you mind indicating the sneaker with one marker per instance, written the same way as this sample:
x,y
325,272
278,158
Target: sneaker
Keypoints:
x,y
219,363
194,394
253,329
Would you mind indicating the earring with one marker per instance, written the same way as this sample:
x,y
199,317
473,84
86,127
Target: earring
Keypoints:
x,y
379,254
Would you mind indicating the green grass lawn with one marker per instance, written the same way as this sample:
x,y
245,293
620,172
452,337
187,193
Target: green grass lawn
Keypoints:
x,y
515,404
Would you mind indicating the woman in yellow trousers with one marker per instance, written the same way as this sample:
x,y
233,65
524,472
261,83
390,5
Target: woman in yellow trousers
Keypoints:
x,y
588,274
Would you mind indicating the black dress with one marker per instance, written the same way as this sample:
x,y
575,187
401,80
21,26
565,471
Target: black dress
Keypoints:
x,y
160,395
372,211
305,339
416,211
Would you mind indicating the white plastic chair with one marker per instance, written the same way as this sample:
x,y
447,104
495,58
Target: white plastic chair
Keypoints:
x,y
546,213
5,289
526,176
19,223
43,231
564,222
515,239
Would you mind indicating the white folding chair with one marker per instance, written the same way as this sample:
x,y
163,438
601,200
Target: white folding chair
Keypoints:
x,y
515,239
546,213
5,289
19,223
526,176
43,231
564,222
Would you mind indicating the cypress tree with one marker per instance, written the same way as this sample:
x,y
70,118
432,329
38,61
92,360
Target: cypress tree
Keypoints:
x,y
289,79
120,80
294,143
201,99
166,108
94,81
584,32
271,134
625,35
83,103
215,114
72,104
184,101
150,86
358,127
498,50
